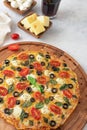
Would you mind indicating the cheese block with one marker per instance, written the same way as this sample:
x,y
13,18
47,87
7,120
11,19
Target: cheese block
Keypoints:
x,y
44,20
37,27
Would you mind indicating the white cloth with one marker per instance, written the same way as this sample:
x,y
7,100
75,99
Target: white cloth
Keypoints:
x,y
5,26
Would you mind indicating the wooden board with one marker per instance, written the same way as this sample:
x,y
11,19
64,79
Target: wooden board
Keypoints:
x,y
78,118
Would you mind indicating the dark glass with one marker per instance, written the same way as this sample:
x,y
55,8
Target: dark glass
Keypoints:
x,y
50,7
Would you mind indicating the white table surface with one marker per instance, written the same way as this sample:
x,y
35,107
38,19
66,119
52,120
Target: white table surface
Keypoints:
x,y
69,30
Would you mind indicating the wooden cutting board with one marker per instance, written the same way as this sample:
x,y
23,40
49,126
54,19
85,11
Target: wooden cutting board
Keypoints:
x,y
78,118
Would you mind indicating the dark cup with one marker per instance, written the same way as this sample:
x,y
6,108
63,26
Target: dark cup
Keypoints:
x,y
50,7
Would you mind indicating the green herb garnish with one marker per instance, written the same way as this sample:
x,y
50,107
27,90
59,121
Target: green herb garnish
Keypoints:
x,y
64,86
47,100
10,88
39,105
58,103
26,104
66,100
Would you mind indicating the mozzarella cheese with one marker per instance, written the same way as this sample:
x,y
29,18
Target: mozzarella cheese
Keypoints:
x,y
14,62
39,58
17,111
25,97
58,98
45,110
10,81
34,88
60,81
26,122
46,72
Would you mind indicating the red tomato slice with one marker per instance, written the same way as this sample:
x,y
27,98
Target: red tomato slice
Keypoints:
x,y
55,109
23,56
21,86
64,74
24,71
55,63
3,91
38,66
41,80
38,96
14,47
35,113
11,102
8,73
67,93
15,36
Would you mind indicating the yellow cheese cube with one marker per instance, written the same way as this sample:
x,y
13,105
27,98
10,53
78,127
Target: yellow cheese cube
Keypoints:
x,y
37,27
28,20
44,20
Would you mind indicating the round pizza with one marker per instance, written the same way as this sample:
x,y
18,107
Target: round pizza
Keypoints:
x,y
37,90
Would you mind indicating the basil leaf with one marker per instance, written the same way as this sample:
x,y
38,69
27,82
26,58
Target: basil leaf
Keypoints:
x,y
32,80
10,111
31,123
39,87
63,116
13,68
45,119
73,79
47,100
11,88
66,69
58,103
22,116
51,114
54,82
74,96
39,105
64,86
26,104
66,100
41,54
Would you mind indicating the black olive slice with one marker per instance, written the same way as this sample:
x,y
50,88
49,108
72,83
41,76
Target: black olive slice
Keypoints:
x,y
52,123
43,63
26,115
29,89
51,98
31,56
6,62
48,56
54,90
17,102
1,100
39,72
19,68
1,80
70,86
32,99
31,66
52,76
65,106
16,94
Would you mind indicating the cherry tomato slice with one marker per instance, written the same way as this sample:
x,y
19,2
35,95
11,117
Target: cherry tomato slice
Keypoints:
x,y
55,63
64,74
23,56
15,36
41,80
24,71
38,96
38,66
14,47
55,109
3,91
21,86
35,113
8,73
11,102
67,93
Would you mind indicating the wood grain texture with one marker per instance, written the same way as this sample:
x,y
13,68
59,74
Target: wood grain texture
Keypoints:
x,y
78,118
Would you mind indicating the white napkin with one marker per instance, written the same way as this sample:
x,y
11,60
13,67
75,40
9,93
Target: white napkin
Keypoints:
x,y
5,26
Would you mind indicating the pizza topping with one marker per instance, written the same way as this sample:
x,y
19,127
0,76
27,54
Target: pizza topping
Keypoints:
x,y
54,90
3,91
11,88
1,100
24,71
47,100
43,63
23,115
55,69
7,62
41,80
52,76
29,89
31,56
52,81
38,96
8,73
58,103
19,68
23,78
55,109
14,47
64,64
32,99
63,87
39,105
8,111
52,123
10,81
51,98
45,119
47,56
1,80
67,100
21,86
31,123
23,56
35,113
31,79
17,102
39,72
70,86
11,102
31,66
65,106
67,93
64,74
55,63
38,66
15,36
16,94
26,104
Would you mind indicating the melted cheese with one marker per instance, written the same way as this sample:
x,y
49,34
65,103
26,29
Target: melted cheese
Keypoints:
x,y
58,98
45,110
10,81
25,96
60,81
14,62
46,72
17,111
39,58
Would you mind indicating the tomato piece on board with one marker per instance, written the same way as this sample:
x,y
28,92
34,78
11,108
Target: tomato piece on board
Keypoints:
x,y
38,66
24,71
14,47
64,74
41,80
8,73
38,96
11,102
23,56
55,63
21,86
67,93
3,91
55,109
35,113
15,36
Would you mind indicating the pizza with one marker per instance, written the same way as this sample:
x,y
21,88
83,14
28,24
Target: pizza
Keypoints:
x,y
37,90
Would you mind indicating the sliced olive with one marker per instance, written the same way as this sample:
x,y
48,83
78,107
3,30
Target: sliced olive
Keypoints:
x,y
17,102
31,66
6,62
52,123
26,115
55,69
29,89
43,87
8,111
31,56
39,72
51,98
54,90
32,99
1,100
1,80
52,76
48,56
23,78
16,94
64,64
31,123
70,86
26,63
19,68
43,63
65,106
